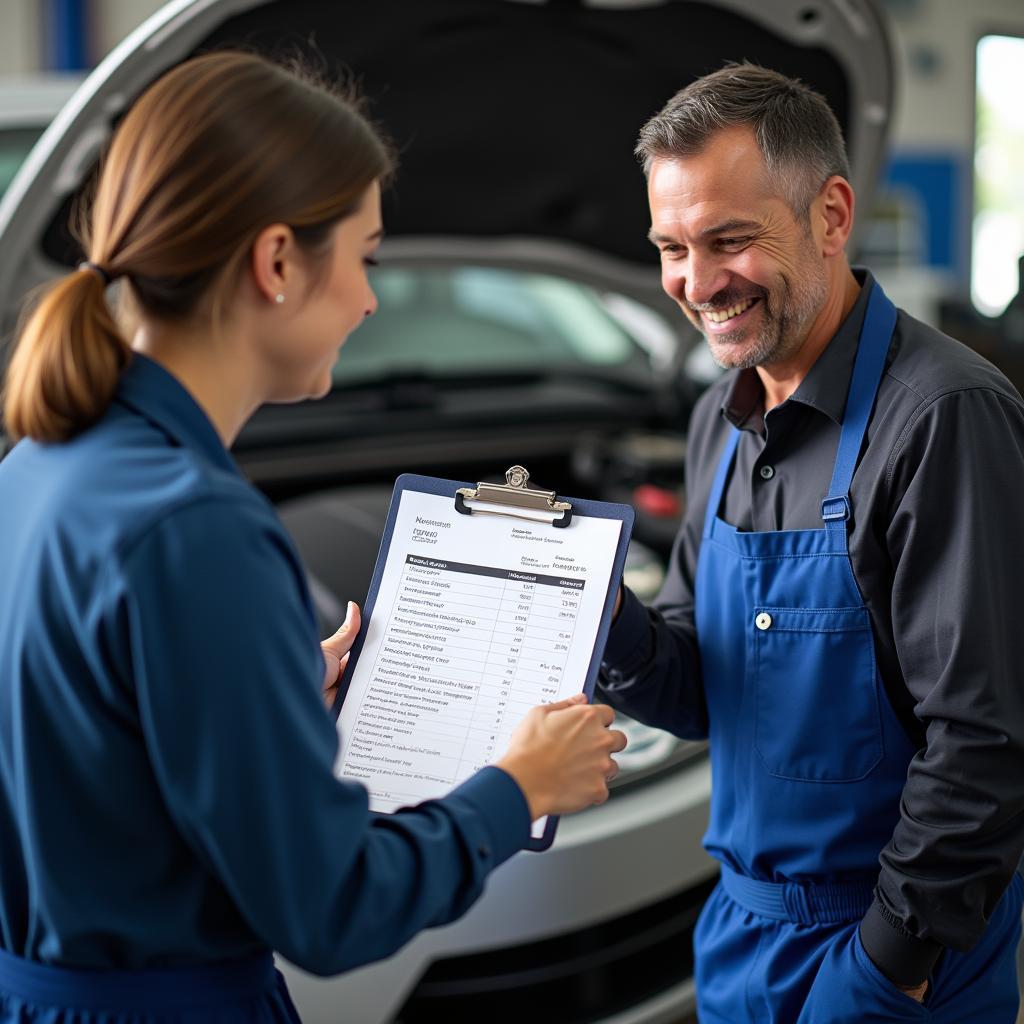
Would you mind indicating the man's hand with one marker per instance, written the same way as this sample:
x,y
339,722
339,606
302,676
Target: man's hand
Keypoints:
x,y
917,992
336,650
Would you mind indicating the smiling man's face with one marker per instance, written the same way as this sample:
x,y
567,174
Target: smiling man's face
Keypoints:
x,y
746,271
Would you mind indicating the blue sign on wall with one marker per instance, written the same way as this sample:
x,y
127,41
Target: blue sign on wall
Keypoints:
x,y
939,186
65,34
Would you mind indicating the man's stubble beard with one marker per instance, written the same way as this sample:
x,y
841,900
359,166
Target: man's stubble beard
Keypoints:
x,y
782,331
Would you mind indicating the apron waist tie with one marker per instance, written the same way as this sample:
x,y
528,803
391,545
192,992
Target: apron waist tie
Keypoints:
x,y
801,903
162,988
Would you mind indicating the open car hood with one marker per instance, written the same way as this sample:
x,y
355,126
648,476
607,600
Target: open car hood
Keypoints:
x,y
515,119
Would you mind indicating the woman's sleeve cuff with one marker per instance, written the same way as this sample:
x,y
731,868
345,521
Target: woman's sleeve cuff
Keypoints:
x,y
500,805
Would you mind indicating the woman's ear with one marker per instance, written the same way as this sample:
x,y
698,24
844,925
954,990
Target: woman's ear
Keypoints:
x,y
273,262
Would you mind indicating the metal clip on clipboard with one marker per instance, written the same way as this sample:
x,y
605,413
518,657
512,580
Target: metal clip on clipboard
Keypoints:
x,y
516,494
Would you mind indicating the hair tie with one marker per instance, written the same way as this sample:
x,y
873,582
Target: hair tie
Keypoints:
x,y
96,269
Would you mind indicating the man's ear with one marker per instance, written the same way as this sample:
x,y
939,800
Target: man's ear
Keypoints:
x,y
272,261
832,212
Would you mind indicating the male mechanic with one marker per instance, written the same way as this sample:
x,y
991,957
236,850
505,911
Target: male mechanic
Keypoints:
x,y
843,612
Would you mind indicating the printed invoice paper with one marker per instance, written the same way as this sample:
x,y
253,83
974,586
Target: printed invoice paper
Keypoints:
x,y
476,619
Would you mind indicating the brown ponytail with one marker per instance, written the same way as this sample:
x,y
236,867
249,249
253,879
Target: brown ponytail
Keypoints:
x,y
216,150
65,368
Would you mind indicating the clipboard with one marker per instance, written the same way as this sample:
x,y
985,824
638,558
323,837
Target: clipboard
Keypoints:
x,y
516,499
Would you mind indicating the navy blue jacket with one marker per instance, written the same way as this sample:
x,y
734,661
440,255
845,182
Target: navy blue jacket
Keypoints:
x,y
166,784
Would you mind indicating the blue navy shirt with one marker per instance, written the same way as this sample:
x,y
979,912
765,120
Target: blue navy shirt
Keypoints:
x,y
166,785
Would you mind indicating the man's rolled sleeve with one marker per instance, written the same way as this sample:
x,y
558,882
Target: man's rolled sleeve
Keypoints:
x,y
899,954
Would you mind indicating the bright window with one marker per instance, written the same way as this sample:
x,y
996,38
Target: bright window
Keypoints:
x,y
998,231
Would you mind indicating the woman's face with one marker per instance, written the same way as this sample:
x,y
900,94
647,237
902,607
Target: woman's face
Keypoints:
x,y
326,310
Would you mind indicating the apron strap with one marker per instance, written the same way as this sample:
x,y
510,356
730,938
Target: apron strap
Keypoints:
x,y
721,474
872,349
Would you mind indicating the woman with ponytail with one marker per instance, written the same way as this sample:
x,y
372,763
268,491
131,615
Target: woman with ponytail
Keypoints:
x,y
168,810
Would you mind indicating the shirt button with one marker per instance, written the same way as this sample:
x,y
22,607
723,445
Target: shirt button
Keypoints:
x,y
483,852
763,621
767,472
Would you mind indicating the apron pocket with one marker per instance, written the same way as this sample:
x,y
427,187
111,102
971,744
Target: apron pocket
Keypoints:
x,y
816,693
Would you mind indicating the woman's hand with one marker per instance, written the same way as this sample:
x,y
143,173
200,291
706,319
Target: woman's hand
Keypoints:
x,y
336,650
560,756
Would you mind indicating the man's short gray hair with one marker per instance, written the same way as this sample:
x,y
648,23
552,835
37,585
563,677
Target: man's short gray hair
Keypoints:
x,y
796,130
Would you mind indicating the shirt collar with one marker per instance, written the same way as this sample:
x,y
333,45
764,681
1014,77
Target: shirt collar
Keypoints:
x,y
827,382
158,396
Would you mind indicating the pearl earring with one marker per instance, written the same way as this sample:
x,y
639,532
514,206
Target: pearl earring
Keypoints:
x,y
279,297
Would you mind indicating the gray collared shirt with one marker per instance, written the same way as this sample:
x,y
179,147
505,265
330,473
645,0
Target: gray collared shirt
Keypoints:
x,y
937,547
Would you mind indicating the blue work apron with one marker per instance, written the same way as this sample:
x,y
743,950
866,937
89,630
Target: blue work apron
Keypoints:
x,y
808,763
249,991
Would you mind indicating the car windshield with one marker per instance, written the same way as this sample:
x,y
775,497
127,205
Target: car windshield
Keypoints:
x,y
443,321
